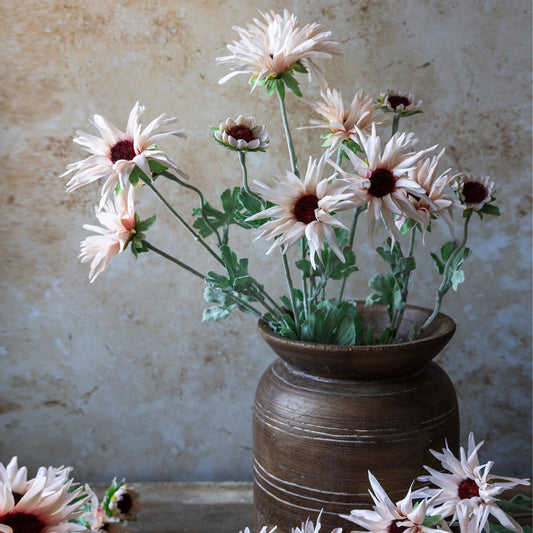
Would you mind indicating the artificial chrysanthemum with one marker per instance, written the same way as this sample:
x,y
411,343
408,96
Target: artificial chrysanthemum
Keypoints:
x,y
437,201
387,517
118,221
125,503
474,191
383,181
41,510
242,134
304,208
343,124
467,487
263,530
15,477
276,45
398,102
115,154
309,527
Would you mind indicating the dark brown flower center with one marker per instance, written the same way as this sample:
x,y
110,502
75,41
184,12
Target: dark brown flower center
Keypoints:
x,y
23,522
125,504
397,101
467,489
395,528
304,208
239,131
474,192
123,150
381,182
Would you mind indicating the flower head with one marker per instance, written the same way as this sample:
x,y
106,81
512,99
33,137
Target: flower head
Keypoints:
x,y
436,202
118,223
242,134
305,208
382,178
402,103
125,503
387,517
276,45
467,489
41,509
474,191
115,154
309,527
343,124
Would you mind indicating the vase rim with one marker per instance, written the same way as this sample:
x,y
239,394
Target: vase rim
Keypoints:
x,y
362,361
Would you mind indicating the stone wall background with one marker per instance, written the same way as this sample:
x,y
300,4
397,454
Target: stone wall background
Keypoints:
x,y
121,377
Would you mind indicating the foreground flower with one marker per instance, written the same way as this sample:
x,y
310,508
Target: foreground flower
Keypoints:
x,y
125,503
263,530
270,48
118,222
387,517
343,124
115,153
309,527
467,489
15,477
403,103
305,208
40,510
383,181
242,134
474,191
437,201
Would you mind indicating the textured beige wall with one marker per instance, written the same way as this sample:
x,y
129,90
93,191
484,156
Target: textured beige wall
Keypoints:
x,y
120,377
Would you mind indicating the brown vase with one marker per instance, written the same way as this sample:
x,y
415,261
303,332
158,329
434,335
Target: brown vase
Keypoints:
x,y
325,415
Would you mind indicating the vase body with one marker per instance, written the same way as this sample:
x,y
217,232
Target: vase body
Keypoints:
x,y
326,415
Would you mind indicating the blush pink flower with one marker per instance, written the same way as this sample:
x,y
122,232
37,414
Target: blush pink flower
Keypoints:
x,y
271,47
115,154
118,222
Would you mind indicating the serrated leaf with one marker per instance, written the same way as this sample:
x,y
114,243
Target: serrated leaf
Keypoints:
x,y
214,314
143,225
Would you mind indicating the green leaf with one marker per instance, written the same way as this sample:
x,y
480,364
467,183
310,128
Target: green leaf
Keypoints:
x,y
369,336
490,209
431,521
156,167
457,278
439,265
292,84
143,225
215,314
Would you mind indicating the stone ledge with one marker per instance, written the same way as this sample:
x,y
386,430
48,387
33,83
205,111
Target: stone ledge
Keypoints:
x,y
200,507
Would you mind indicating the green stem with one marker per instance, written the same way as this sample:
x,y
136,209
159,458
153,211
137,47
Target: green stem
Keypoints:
x,y
181,220
291,293
395,123
398,314
357,211
304,283
171,177
292,154
174,260
242,161
445,286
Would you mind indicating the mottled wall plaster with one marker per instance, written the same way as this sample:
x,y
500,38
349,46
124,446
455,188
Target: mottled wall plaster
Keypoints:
x,y
120,377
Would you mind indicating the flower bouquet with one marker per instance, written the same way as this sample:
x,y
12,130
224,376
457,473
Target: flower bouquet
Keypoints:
x,y
368,166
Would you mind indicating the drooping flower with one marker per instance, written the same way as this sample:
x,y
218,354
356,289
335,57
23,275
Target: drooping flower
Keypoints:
x,y
387,517
467,489
125,503
343,124
271,47
382,179
437,201
115,153
400,102
242,134
474,191
304,208
118,221
41,510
